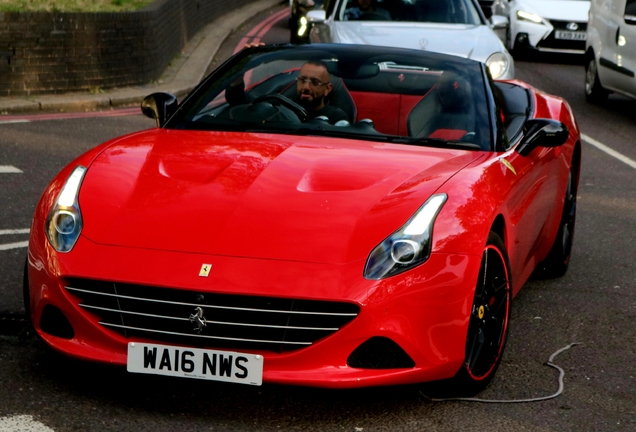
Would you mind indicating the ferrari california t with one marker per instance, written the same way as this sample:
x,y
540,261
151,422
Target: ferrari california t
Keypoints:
x,y
321,215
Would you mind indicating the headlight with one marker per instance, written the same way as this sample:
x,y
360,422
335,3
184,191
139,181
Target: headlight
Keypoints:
x,y
498,64
409,246
527,16
64,222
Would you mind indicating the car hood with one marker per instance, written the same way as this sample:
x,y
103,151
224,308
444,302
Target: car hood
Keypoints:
x,y
561,10
264,196
470,41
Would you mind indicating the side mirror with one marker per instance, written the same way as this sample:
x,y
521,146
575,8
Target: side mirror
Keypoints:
x,y
499,22
542,133
316,16
159,106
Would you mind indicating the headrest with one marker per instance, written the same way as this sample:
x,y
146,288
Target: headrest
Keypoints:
x,y
453,92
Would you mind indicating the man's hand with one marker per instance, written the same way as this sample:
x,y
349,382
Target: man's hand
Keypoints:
x,y
253,45
239,81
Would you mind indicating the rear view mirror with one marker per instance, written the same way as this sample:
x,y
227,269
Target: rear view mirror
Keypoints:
x,y
542,133
159,106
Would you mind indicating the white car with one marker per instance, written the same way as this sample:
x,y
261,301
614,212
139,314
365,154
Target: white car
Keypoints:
x,y
545,25
456,27
611,50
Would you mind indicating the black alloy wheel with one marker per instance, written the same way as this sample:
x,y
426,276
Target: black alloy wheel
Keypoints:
x,y
488,325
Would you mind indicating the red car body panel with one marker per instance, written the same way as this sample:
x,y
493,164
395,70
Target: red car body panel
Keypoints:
x,y
265,210
270,196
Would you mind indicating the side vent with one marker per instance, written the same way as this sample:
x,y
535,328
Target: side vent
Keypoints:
x,y
380,353
55,323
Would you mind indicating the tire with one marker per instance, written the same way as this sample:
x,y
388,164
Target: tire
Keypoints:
x,y
594,91
488,325
558,259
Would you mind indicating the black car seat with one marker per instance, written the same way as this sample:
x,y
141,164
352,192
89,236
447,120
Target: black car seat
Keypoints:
x,y
446,112
341,98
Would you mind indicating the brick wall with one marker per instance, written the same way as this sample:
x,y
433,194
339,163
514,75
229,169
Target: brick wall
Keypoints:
x,y
47,53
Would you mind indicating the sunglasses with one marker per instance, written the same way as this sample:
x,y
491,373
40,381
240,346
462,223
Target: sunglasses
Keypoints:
x,y
311,81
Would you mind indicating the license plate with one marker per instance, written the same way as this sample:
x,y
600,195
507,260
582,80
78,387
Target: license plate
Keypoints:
x,y
569,35
195,363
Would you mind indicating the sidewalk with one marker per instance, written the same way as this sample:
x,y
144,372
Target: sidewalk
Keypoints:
x,y
186,72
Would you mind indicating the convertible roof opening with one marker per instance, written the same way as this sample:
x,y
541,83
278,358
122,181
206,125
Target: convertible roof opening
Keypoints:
x,y
369,93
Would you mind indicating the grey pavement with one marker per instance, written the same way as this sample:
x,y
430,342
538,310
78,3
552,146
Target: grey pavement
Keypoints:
x,y
182,75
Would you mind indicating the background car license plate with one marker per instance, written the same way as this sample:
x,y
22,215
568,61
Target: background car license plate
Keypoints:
x,y
196,363
569,35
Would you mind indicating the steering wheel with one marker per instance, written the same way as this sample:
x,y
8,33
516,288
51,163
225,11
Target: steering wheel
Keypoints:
x,y
279,99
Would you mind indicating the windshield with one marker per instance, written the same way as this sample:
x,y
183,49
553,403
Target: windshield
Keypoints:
x,y
429,11
345,91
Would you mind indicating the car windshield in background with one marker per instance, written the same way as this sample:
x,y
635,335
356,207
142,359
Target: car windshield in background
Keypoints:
x,y
345,91
430,11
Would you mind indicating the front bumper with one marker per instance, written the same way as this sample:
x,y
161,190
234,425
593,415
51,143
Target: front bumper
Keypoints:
x,y
542,38
424,311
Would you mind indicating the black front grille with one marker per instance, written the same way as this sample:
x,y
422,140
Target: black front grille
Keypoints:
x,y
562,25
231,321
551,42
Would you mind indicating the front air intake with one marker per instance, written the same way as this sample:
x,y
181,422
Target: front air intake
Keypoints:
x,y
55,323
380,353
207,319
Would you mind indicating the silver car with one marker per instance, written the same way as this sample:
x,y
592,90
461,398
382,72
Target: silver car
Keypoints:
x,y
610,64
456,27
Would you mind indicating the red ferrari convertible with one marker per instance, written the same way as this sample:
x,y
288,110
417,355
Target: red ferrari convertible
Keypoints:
x,y
321,215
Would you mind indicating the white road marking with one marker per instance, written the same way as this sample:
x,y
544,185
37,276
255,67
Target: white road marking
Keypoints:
x,y
14,121
609,151
22,423
16,245
8,169
15,231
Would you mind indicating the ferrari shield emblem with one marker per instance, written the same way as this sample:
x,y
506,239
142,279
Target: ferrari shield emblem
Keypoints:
x,y
205,270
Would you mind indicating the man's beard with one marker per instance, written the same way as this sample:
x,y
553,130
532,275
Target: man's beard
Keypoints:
x,y
311,105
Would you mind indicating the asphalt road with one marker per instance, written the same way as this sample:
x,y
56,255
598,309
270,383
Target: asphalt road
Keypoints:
x,y
593,304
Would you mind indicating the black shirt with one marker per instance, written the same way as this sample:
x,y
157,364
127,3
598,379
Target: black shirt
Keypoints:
x,y
235,95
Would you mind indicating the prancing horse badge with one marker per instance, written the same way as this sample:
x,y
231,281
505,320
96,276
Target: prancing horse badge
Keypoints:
x,y
205,270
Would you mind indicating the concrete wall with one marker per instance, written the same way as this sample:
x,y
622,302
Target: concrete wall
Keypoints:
x,y
48,53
